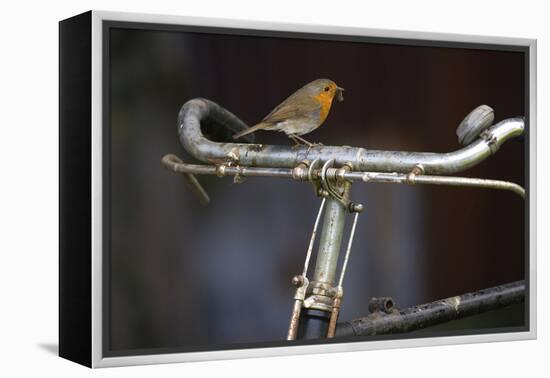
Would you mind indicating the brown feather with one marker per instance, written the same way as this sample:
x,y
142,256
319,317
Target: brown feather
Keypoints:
x,y
300,105
297,105
252,129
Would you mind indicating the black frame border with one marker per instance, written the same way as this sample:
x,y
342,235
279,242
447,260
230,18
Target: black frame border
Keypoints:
x,y
75,189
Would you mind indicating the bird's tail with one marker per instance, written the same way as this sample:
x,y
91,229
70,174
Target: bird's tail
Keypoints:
x,y
250,130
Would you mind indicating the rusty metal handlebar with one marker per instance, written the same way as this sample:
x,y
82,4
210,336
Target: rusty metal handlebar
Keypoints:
x,y
198,111
200,120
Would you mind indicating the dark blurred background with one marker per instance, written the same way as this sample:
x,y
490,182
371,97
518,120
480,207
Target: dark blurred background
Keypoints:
x,y
183,275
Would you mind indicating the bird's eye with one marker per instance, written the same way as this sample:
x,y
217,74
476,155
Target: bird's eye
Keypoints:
x,y
327,89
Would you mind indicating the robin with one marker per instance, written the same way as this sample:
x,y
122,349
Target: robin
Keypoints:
x,y
302,112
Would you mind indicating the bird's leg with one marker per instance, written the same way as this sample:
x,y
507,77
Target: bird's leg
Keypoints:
x,y
295,140
308,143
294,136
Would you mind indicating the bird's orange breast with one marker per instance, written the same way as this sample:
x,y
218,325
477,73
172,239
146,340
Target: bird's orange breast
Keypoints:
x,y
325,100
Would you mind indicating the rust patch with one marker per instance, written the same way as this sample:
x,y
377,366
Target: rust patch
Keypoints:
x,y
256,147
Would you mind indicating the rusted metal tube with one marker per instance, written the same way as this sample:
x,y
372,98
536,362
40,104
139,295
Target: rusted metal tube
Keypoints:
x,y
325,268
384,304
331,239
398,178
176,165
201,111
433,313
334,317
294,320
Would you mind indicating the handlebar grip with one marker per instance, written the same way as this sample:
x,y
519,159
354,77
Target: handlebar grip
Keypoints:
x,y
474,124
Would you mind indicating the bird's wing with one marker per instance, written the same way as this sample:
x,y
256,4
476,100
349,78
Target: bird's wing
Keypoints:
x,y
289,109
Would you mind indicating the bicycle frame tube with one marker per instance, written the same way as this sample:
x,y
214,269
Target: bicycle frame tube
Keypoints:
x,y
313,325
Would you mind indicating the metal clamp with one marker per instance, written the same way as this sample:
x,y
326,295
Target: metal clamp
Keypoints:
x,y
331,188
417,170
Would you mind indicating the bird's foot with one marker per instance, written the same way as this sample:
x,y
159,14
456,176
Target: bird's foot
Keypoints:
x,y
297,139
314,144
311,145
297,143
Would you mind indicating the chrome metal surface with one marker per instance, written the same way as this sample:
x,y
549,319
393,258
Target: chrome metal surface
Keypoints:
x,y
397,178
196,111
175,164
348,250
331,239
313,236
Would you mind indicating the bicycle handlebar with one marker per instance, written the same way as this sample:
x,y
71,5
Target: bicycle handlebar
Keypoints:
x,y
198,112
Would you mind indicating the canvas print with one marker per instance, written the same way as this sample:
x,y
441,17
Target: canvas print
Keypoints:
x,y
277,189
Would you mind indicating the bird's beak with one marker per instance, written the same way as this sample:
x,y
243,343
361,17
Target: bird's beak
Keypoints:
x,y
340,94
